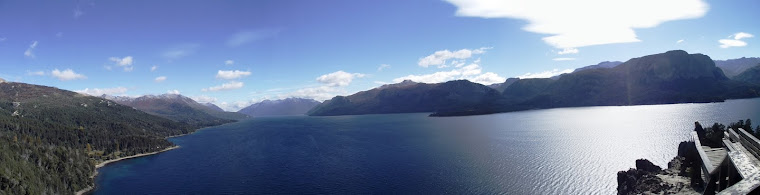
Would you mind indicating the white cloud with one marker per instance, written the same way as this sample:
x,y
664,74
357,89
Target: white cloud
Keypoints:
x,y
439,58
153,68
741,35
36,73
320,93
736,41
235,106
339,78
383,67
488,78
229,62
545,74
180,51
726,43
203,99
244,37
160,79
679,41
226,86
125,62
175,92
470,72
568,51
30,50
574,24
99,92
66,75
563,59
231,74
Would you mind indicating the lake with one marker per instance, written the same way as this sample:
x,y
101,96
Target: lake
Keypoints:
x,y
552,151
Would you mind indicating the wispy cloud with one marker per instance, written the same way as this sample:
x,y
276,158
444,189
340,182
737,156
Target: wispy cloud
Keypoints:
x,y
175,92
440,58
160,79
153,68
735,40
36,73
545,74
574,24
383,67
568,51
229,62
679,41
30,50
226,86
232,74
66,75
125,62
245,37
180,51
563,59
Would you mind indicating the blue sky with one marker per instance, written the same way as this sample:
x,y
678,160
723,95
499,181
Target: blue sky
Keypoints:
x,y
234,53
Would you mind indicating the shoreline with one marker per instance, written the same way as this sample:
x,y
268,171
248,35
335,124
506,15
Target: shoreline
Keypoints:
x,y
104,163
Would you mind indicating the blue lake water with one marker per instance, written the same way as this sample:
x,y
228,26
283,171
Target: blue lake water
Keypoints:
x,y
553,151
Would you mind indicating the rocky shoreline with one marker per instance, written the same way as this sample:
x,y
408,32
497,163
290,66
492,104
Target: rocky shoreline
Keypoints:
x,y
648,178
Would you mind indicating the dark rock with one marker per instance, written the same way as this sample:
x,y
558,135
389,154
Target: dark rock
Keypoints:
x,y
645,165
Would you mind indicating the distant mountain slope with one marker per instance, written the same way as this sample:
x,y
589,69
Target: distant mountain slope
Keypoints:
x,y
213,106
408,97
671,77
605,64
751,75
735,67
289,106
179,108
501,86
50,139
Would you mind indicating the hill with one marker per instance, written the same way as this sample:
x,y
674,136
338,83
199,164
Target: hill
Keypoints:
x,y
409,97
735,67
751,75
50,139
289,106
179,108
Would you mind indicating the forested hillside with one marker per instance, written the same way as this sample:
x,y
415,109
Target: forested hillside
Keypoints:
x,y
50,139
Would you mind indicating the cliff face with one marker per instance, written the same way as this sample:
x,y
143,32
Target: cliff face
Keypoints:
x,y
648,178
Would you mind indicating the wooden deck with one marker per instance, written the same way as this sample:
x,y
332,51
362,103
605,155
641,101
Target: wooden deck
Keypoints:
x,y
716,156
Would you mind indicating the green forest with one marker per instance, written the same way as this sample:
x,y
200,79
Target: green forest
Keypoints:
x,y
51,139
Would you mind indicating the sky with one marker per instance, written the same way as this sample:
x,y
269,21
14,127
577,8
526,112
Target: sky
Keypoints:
x,y
235,53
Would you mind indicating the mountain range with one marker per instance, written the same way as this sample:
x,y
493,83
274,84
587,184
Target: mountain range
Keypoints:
x,y
670,77
179,108
289,106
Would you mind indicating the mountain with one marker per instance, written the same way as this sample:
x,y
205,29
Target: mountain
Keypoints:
x,y
751,75
501,86
735,67
605,64
408,97
671,77
179,108
213,106
289,106
51,139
